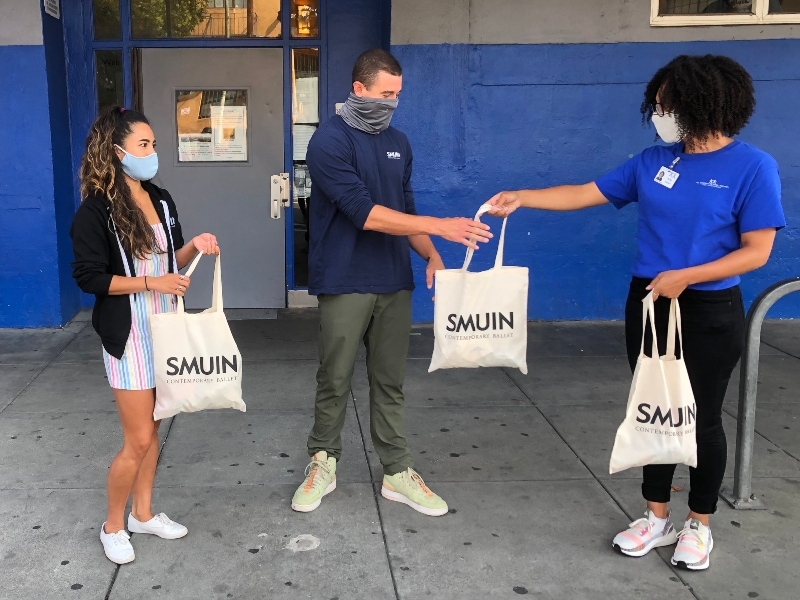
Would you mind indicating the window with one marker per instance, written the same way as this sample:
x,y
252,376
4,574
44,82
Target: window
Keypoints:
x,y
214,97
231,3
108,72
153,19
723,12
305,18
212,125
305,120
106,20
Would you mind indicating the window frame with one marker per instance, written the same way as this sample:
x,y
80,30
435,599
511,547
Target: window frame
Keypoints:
x,y
760,16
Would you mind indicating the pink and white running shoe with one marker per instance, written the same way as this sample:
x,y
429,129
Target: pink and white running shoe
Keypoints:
x,y
694,547
645,534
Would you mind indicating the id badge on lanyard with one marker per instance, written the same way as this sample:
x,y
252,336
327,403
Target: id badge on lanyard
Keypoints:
x,y
666,176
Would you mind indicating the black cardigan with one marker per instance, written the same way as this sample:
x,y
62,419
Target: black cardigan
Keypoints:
x,y
98,258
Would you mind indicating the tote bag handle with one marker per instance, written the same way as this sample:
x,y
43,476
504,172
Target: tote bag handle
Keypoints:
x,y
216,294
674,324
498,261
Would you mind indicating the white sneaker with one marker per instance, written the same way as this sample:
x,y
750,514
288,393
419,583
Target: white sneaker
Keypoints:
x,y
117,546
694,548
645,534
160,525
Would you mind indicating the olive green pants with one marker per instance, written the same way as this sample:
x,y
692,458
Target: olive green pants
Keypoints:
x,y
383,323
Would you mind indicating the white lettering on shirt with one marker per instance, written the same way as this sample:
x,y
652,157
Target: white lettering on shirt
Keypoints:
x,y
713,184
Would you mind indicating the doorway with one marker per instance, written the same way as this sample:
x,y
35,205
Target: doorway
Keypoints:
x,y
217,114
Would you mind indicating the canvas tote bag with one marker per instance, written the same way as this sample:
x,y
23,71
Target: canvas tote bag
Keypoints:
x,y
660,421
481,319
197,362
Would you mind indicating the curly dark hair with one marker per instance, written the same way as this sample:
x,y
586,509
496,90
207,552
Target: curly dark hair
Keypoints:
x,y
708,94
101,173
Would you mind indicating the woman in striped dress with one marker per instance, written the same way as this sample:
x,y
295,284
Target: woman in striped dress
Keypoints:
x,y
128,247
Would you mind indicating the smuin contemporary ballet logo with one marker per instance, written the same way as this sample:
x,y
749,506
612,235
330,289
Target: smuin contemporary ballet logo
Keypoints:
x,y
712,183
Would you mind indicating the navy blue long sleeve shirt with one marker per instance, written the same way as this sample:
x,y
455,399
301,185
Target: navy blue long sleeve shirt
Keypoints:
x,y
351,172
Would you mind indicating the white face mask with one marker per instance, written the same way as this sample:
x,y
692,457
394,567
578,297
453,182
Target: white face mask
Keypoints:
x,y
667,128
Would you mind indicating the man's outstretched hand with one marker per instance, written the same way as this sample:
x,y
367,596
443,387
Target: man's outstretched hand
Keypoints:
x,y
464,231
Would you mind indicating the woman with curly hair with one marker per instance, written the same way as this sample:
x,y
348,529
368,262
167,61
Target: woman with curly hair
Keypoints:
x,y
128,247
709,209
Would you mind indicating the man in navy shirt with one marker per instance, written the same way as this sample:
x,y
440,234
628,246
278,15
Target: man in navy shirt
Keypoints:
x,y
362,223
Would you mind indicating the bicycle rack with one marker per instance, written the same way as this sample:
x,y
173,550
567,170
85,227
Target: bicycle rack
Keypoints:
x,y
742,496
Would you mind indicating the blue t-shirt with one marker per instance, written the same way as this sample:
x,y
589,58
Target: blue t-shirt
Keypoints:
x,y
717,197
351,172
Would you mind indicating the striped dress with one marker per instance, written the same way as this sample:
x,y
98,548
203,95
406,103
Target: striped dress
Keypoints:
x,y
135,371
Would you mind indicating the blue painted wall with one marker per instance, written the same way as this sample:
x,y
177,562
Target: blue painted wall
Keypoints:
x,y
482,118
353,27
29,270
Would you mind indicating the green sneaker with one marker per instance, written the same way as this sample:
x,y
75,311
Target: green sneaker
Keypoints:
x,y
407,487
320,481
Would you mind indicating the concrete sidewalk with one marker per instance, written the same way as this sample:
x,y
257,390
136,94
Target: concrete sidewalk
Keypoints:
x,y
522,461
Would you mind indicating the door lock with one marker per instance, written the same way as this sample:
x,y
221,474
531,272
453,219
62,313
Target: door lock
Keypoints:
x,y
280,194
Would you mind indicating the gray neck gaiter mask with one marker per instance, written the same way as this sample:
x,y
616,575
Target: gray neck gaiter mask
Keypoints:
x,y
370,115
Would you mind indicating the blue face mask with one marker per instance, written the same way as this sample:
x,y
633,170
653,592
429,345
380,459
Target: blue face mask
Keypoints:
x,y
140,168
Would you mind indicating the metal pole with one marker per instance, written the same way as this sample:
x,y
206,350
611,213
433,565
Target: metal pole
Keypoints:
x,y
226,3
742,497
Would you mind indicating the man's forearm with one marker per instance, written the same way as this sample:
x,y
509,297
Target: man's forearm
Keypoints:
x,y
394,222
423,245
453,229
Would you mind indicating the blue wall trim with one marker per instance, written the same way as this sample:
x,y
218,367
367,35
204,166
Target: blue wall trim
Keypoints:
x,y
354,26
482,118
29,283
81,88
64,179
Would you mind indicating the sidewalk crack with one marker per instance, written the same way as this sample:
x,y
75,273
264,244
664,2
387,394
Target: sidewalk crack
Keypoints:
x,y
734,416
112,582
375,496
781,350
160,453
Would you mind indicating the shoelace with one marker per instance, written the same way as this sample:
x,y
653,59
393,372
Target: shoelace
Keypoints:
x,y
311,473
642,526
120,538
164,519
691,537
415,477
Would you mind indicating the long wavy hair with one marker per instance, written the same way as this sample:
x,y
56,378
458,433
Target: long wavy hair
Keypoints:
x,y
101,175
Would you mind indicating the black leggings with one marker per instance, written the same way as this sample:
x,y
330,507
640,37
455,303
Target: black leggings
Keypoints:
x,y
713,338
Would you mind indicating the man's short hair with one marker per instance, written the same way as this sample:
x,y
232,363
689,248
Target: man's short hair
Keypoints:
x,y
372,62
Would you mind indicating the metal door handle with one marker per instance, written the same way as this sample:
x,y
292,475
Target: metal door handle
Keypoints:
x,y
279,194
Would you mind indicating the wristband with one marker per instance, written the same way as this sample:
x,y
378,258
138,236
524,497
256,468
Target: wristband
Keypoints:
x,y
145,283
